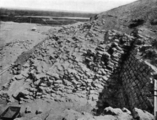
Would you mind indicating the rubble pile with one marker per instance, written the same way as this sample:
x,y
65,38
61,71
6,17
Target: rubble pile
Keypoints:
x,y
68,66
78,64
103,69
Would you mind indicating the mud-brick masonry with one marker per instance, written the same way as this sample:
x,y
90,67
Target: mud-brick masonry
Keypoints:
x,y
130,85
136,84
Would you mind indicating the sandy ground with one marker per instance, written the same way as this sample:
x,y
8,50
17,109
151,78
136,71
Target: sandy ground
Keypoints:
x,y
16,38
11,32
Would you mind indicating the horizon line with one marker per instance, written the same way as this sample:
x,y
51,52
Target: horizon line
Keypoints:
x,y
50,10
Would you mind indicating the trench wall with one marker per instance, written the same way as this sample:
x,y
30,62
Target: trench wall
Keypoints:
x,y
130,85
136,86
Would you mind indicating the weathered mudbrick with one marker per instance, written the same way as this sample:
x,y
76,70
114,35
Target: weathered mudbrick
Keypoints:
x,y
130,84
139,81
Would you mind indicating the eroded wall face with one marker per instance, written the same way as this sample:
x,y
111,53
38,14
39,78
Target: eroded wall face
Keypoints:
x,y
136,86
130,84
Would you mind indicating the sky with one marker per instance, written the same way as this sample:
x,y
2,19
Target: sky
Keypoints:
x,y
92,6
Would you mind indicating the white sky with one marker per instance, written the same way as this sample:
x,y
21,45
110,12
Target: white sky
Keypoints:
x,y
65,5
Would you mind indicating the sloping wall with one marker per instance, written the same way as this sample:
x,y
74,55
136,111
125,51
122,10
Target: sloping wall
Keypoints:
x,y
130,84
136,87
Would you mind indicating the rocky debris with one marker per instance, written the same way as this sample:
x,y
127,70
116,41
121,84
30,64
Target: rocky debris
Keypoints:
x,y
113,111
87,63
67,64
19,119
76,64
70,114
39,111
28,109
36,118
126,110
143,115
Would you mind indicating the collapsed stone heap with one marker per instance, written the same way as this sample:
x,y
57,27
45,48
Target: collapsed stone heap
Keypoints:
x,y
72,66
80,65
